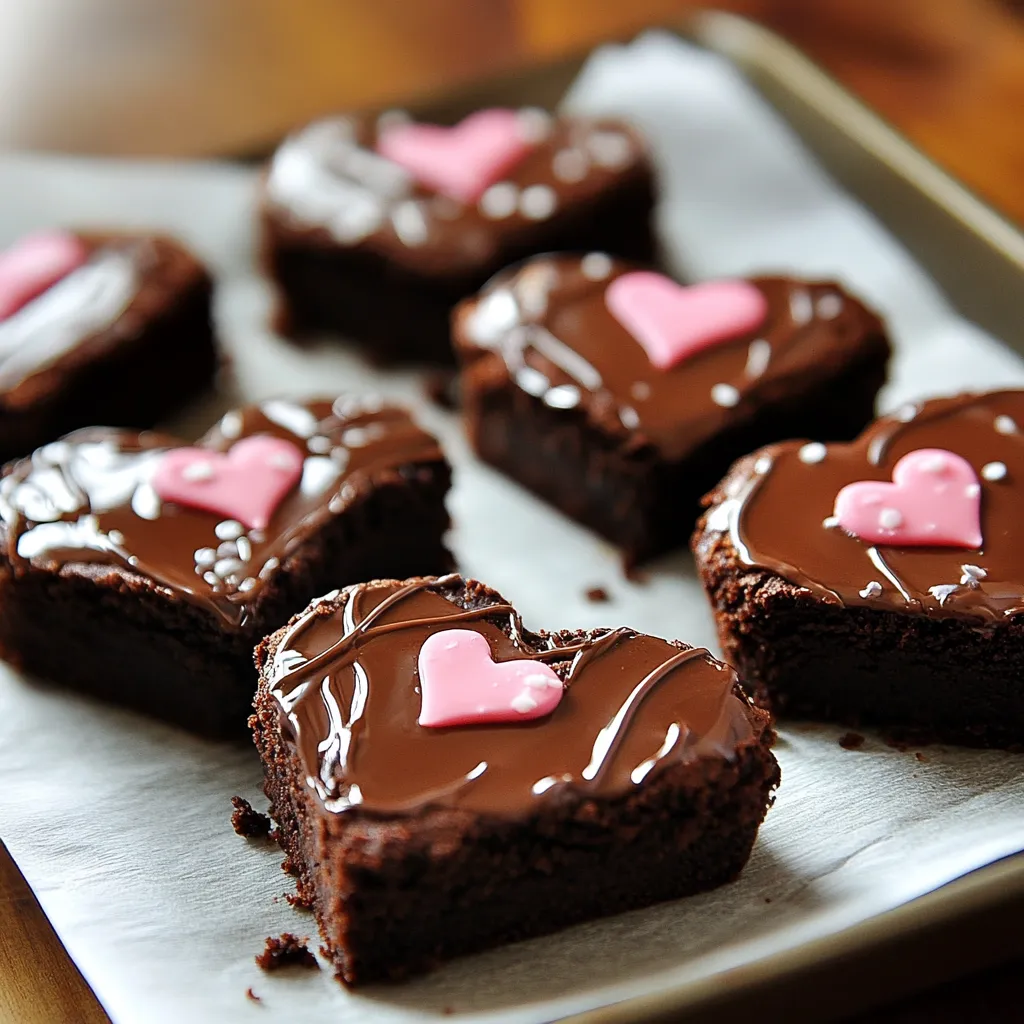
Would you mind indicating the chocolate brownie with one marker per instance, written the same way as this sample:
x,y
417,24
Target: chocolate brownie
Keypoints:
x,y
145,572
84,318
446,780
375,228
881,582
621,397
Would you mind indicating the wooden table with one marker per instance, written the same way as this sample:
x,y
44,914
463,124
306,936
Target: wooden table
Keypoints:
x,y
948,73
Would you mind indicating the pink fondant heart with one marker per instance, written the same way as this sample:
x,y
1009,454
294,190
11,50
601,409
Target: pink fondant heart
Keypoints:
x,y
461,162
35,263
247,483
672,323
934,500
462,685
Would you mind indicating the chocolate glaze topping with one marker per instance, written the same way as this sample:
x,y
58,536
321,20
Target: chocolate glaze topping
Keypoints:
x,y
87,499
122,284
329,183
548,323
777,507
345,677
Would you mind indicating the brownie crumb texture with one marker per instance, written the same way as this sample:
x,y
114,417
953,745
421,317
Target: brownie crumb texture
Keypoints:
x,y
921,756
286,950
251,996
298,901
851,741
248,822
598,595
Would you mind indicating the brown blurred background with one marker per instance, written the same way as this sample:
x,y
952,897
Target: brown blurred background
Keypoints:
x,y
199,77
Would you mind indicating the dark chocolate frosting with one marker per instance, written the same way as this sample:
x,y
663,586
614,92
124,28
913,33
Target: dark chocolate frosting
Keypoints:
x,y
125,280
87,499
545,325
777,508
328,182
345,677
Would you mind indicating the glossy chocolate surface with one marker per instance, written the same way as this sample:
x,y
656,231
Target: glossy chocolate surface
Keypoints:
x,y
345,678
87,499
328,184
548,324
124,283
779,513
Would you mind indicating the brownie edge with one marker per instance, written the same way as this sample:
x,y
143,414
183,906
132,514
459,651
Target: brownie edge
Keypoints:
x,y
398,893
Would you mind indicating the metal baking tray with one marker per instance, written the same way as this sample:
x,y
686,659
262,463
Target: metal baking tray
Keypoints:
x,y
977,257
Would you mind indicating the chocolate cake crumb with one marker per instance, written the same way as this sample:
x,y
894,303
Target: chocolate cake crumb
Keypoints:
x,y
767,899
921,757
298,901
442,388
287,950
251,996
248,822
598,595
851,741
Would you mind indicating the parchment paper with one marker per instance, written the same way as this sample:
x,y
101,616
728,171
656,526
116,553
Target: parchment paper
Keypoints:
x,y
121,825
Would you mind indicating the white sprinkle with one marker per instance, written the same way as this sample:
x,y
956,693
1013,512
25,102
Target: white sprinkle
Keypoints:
x,y
115,537
230,529
231,424
268,567
972,574
538,202
244,548
491,319
532,381
905,413
890,519
409,223
225,567
759,355
873,589
629,417
534,124
725,395
537,682
205,557
829,305
1005,425
570,165
943,592
211,577
281,460
595,266
533,288
197,471
611,150
523,703
763,464
830,522
801,308
994,470
812,453
563,396
227,550
499,201
320,445
247,584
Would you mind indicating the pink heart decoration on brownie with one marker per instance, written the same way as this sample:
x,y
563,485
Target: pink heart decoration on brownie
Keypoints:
x,y
34,264
246,483
934,500
462,685
463,161
672,322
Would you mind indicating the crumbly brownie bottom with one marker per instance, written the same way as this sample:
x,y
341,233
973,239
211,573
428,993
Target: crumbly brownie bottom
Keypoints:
x,y
401,316
636,500
398,898
176,354
91,630
911,675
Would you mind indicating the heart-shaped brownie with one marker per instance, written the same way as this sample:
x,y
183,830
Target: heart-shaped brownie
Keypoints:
x,y
225,539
